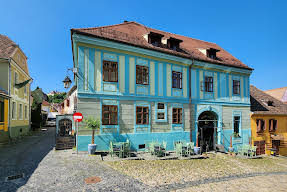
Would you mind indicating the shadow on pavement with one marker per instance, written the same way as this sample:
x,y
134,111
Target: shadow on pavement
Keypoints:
x,y
19,160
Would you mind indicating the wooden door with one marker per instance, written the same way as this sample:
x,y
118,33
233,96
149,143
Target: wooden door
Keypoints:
x,y
275,145
260,147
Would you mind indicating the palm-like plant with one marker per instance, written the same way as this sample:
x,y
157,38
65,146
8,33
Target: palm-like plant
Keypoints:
x,y
93,124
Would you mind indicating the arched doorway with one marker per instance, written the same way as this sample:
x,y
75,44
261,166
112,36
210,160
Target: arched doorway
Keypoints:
x,y
207,124
65,126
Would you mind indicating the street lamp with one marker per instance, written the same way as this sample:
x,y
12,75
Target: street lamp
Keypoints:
x,y
67,82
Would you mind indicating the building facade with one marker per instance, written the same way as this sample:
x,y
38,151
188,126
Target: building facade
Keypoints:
x,y
145,84
4,102
15,79
268,123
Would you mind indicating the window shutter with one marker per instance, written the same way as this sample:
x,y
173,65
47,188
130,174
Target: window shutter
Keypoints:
x,y
271,125
258,126
264,125
276,125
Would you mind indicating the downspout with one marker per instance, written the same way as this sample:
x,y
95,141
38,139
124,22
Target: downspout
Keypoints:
x,y
9,101
190,106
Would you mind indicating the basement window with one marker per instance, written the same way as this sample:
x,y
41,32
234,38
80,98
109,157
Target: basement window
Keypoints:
x,y
155,39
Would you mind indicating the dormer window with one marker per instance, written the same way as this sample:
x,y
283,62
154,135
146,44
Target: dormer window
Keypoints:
x,y
173,43
270,103
155,39
211,53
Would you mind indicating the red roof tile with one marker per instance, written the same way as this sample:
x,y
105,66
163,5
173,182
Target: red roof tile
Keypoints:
x,y
259,103
7,47
132,33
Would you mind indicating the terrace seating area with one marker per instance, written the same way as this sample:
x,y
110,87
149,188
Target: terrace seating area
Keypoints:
x,y
247,151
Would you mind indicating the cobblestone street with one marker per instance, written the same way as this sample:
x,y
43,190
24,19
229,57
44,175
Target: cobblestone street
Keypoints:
x,y
48,170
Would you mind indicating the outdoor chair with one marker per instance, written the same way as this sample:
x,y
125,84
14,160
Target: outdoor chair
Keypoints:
x,y
115,149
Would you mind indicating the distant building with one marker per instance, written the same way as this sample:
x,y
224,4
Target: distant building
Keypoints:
x,y
15,79
268,123
69,105
279,93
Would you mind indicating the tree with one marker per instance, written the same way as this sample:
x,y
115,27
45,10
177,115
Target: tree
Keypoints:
x,y
57,97
93,124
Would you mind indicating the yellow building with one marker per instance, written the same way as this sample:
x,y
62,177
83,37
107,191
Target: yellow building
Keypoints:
x,y
4,98
15,78
268,123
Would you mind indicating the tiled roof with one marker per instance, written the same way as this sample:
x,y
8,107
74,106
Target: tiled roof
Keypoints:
x,y
278,93
7,47
132,33
46,103
259,100
7,50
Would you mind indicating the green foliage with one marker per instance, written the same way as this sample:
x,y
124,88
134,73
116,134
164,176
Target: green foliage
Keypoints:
x,y
57,98
92,123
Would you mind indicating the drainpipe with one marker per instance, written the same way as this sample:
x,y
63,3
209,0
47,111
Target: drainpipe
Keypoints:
x,y
190,122
9,101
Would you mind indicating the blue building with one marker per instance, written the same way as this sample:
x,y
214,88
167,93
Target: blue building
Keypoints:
x,y
146,84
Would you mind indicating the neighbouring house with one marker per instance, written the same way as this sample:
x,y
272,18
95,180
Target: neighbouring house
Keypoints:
x,y
279,93
4,103
69,105
15,79
145,84
268,123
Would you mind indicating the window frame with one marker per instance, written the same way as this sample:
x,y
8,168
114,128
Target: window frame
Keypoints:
x,y
239,122
2,111
20,114
236,87
14,110
142,113
178,80
274,123
208,88
26,112
177,112
110,71
140,69
109,112
263,125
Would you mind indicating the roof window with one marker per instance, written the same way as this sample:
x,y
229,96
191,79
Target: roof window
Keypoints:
x,y
155,39
173,43
270,103
211,53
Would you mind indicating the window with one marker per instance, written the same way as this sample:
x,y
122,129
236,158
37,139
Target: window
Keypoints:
x,y
177,115
25,89
236,87
272,125
68,103
26,112
160,105
142,115
16,78
177,80
173,44
260,125
211,53
142,75
1,111
109,114
155,39
236,124
20,111
270,103
110,71
160,116
208,84
14,110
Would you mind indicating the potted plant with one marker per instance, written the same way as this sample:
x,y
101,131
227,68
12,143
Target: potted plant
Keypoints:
x,y
93,124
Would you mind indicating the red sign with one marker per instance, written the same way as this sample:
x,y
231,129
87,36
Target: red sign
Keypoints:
x,y
78,117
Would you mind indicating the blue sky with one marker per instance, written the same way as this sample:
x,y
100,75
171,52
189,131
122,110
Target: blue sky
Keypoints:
x,y
253,31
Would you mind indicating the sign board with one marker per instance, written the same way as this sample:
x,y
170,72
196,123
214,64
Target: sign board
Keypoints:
x,y
78,117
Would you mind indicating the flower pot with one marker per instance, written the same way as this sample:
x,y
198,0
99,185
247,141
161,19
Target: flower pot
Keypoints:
x,y
196,150
230,149
92,148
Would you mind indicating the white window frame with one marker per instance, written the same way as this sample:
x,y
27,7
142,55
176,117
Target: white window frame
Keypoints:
x,y
15,111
